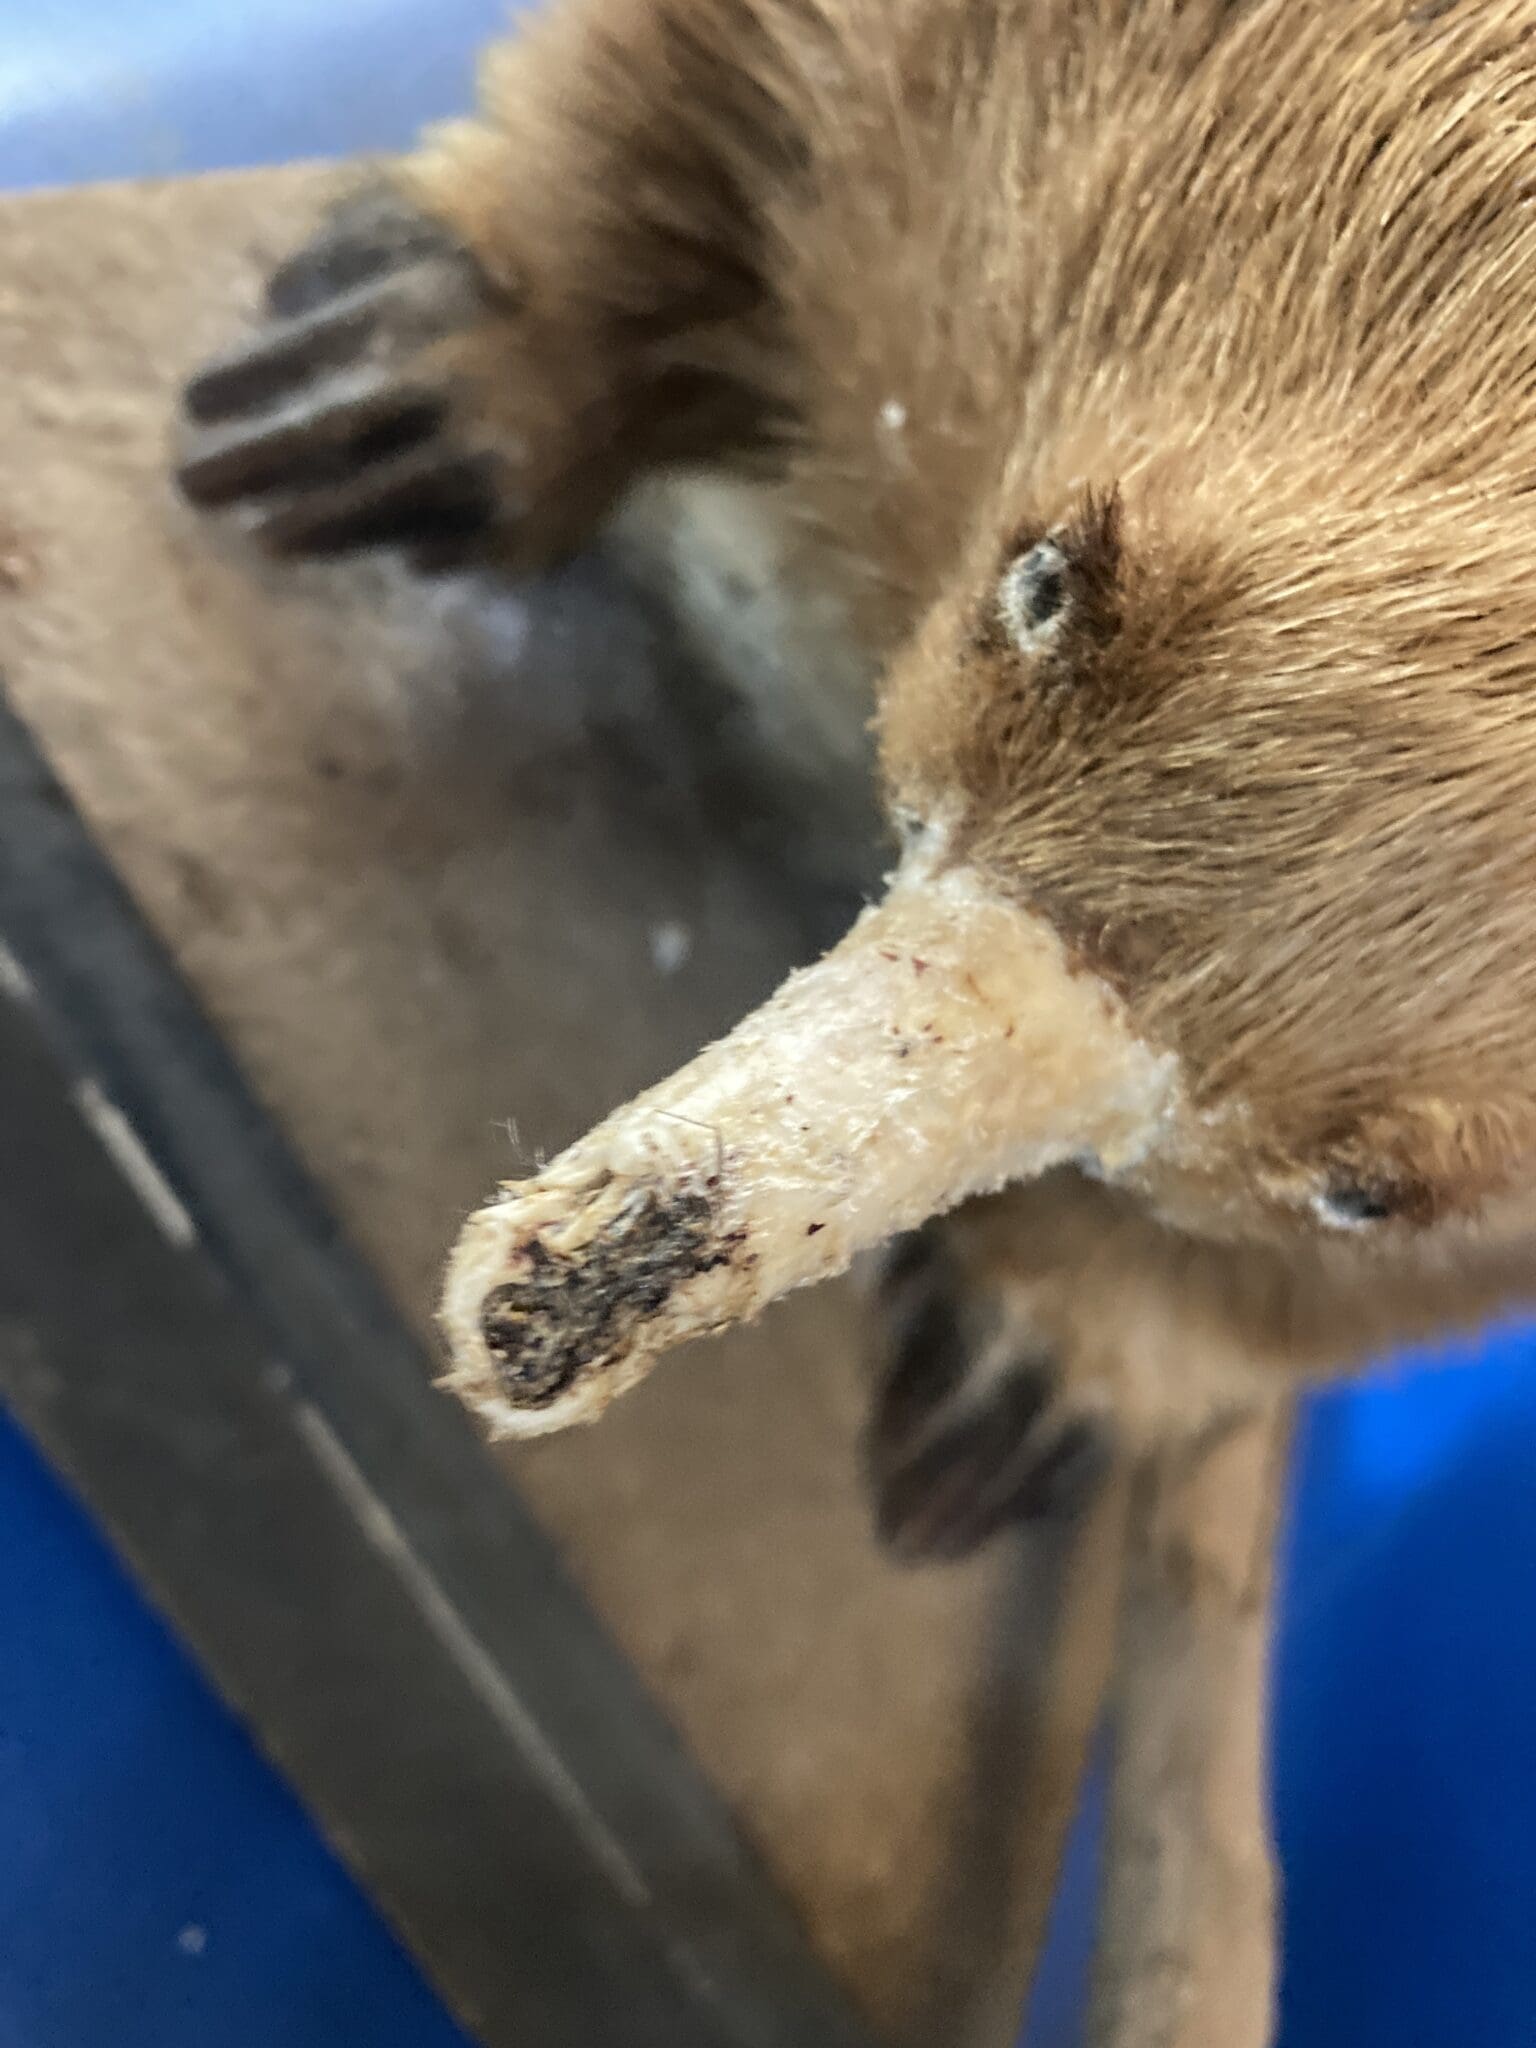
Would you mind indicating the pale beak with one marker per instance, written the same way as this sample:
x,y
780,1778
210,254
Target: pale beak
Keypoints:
x,y
946,1046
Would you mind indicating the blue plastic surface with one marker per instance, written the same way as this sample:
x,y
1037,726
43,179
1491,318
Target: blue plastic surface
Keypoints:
x,y
1405,1732
1405,1736
127,88
159,1886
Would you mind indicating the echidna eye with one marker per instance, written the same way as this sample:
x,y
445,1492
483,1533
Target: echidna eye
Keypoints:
x,y
1033,595
1351,1205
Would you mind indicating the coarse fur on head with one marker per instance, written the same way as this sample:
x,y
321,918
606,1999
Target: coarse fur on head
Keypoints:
x,y
1147,385
1218,314
1149,380
1144,387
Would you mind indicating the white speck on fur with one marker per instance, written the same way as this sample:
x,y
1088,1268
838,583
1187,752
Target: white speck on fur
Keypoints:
x,y
893,416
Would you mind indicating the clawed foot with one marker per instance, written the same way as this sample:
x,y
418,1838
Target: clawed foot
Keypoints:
x,y
330,430
973,1430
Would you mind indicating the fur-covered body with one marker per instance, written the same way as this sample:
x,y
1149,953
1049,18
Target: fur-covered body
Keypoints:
x,y
1222,305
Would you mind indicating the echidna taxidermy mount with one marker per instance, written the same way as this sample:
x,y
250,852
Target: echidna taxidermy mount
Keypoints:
x,y
1148,386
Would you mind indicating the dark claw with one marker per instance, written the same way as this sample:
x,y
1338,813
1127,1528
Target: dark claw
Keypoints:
x,y
321,428
438,529
373,239
994,1471
421,500
342,427
937,1486
929,1349
964,1443
366,327
279,361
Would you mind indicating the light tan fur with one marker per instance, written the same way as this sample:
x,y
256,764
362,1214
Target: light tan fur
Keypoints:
x,y
1244,284
1144,389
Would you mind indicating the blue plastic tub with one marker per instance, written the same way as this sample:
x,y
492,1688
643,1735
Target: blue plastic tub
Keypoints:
x,y
1405,1740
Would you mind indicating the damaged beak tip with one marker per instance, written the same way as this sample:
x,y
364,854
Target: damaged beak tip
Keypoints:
x,y
945,1047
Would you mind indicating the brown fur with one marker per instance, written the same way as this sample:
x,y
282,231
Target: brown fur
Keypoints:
x,y
1228,301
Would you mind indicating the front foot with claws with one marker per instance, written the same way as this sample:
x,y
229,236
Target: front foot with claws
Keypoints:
x,y
974,1430
335,429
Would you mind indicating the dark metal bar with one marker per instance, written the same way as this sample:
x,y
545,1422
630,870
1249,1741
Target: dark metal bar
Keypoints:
x,y
187,1337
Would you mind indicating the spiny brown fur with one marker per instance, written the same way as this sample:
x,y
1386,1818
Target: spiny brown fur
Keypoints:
x,y
1229,302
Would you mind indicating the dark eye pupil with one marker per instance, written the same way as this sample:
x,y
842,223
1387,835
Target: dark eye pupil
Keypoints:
x,y
1354,1202
1042,590
1033,595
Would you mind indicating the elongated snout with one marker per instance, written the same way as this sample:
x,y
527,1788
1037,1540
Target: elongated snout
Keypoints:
x,y
945,1047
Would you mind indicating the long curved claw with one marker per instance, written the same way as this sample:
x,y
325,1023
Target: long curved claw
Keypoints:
x,y
366,240
423,499
330,431
971,1432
